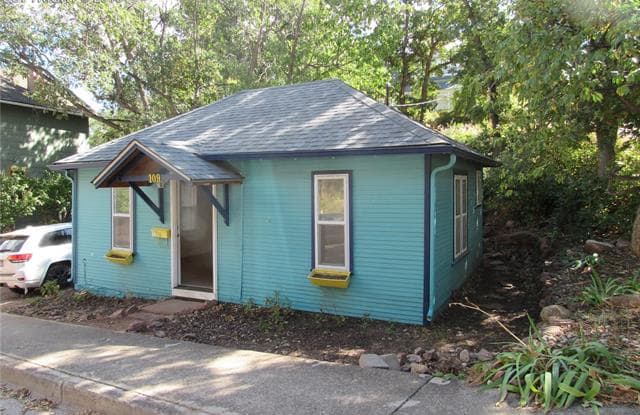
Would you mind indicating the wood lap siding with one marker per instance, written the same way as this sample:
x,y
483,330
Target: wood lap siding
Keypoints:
x,y
148,276
273,209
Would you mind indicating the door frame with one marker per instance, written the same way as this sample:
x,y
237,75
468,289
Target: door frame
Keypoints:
x,y
175,248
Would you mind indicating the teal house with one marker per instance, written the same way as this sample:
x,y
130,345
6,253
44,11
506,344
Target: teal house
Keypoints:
x,y
312,191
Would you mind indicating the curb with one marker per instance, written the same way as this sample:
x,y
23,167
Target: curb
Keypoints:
x,y
85,393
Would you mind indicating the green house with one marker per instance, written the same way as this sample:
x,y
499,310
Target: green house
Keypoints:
x,y
314,191
33,135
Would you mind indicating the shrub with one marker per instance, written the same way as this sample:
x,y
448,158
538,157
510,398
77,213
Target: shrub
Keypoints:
x,y
50,289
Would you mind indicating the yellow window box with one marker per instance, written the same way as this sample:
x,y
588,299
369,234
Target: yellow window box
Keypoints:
x,y
119,256
330,278
161,233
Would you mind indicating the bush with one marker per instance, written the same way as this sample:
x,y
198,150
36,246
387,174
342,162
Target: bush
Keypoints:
x,y
47,198
50,289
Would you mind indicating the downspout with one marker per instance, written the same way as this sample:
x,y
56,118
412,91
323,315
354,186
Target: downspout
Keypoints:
x,y
432,234
73,178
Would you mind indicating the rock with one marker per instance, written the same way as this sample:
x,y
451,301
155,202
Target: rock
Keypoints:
x,y
402,357
464,356
419,351
392,361
414,358
591,246
554,311
484,355
429,355
625,301
91,316
131,309
137,326
440,381
552,331
188,337
120,313
418,368
160,333
370,360
635,235
622,243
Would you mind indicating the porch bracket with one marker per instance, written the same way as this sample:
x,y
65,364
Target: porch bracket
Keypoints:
x,y
222,209
158,209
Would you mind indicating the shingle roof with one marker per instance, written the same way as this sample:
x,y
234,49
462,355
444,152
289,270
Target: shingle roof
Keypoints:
x,y
10,93
310,118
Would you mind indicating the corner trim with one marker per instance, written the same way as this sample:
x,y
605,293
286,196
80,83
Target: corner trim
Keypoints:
x,y
427,240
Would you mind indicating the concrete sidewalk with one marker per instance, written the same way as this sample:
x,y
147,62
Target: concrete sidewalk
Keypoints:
x,y
125,373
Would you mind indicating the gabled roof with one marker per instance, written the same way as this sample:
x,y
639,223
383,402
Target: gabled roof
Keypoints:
x,y
314,118
183,164
13,94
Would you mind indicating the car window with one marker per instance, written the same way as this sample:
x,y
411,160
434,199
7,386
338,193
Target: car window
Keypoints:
x,y
60,237
12,243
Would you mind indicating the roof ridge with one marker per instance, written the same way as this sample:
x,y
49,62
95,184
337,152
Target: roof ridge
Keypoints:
x,y
375,105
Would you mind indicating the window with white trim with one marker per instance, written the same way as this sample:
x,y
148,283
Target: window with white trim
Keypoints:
x,y
478,187
331,221
460,225
122,218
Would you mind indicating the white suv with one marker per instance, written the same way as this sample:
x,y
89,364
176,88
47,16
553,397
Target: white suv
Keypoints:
x,y
36,254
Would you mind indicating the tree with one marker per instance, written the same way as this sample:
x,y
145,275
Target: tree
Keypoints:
x,y
575,65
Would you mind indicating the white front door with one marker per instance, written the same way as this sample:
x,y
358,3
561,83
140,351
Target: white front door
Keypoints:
x,y
193,222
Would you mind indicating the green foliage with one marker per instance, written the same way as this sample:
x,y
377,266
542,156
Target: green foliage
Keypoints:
x,y
556,378
48,197
278,311
50,289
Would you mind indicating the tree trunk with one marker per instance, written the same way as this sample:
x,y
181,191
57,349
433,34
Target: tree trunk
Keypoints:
x,y
635,235
426,74
404,72
606,135
492,95
295,40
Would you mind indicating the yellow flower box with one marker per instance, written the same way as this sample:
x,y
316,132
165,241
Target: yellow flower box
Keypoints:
x,y
330,278
161,233
119,256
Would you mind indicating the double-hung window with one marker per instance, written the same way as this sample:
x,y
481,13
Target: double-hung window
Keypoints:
x,y
331,221
478,187
122,218
460,221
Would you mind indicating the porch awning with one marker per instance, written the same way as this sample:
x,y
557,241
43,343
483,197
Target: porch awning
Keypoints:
x,y
144,164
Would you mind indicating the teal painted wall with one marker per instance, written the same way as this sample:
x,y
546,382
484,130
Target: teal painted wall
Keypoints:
x,y
150,273
34,138
450,274
267,246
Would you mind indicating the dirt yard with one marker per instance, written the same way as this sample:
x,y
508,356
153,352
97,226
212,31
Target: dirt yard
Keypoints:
x,y
513,282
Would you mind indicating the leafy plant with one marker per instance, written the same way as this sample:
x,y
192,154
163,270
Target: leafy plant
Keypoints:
x,y
50,289
556,378
279,309
601,289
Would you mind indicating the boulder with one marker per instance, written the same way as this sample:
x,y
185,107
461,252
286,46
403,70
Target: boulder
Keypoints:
x,y
392,361
419,351
625,301
464,356
484,355
429,355
554,311
402,357
370,360
137,326
591,246
419,368
635,235
414,358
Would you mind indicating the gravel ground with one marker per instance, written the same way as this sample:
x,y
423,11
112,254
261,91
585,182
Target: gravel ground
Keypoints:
x,y
15,400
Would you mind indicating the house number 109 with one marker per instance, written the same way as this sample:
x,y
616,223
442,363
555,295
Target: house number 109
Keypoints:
x,y
154,178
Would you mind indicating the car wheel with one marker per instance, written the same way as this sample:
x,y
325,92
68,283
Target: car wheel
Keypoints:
x,y
61,273
17,290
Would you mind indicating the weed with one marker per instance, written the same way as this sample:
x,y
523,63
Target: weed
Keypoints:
x,y
366,321
50,289
279,308
249,306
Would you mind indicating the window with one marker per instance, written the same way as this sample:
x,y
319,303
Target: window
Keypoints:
x,y
331,221
478,187
121,220
460,221
61,237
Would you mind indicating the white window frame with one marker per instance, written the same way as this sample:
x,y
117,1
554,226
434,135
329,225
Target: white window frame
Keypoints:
x,y
346,223
479,187
122,215
460,251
